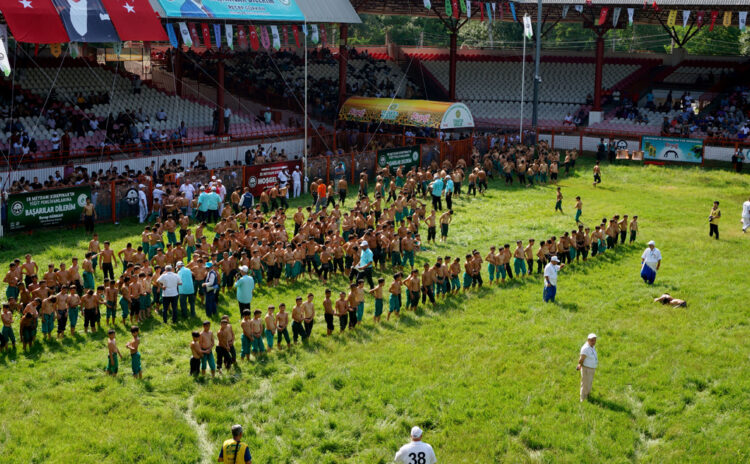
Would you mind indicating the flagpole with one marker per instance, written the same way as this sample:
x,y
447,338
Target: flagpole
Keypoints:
x,y
523,82
304,181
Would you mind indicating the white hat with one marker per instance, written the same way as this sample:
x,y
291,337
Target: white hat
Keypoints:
x,y
179,264
213,189
158,185
555,259
141,186
364,243
651,243
213,177
416,432
591,335
243,269
218,180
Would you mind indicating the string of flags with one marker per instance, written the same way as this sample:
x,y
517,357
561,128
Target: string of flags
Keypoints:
x,y
254,37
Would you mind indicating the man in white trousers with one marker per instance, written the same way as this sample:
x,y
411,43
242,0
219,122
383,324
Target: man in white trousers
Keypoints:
x,y
297,181
142,203
416,451
587,364
746,215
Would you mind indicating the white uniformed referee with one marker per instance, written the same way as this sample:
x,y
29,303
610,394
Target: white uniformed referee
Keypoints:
x,y
587,364
416,451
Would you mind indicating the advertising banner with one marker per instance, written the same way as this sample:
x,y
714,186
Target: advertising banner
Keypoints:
x,y
264,176
283,10
418,113
403,157
41,209
672,149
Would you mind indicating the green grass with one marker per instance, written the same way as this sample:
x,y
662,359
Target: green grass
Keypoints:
x,y
489,375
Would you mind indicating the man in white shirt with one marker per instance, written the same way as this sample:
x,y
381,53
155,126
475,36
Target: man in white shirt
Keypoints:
x,y
189,190
550,279
587,364
227,117
221,190
170,283
161,115
746,215
297,181
416,451
158,193
650,263
142,204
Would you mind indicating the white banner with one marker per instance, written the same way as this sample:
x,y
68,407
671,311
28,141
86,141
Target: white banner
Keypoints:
x,y
4,62
616,16
427,4
565,11
631,11
685,17
314,37
527,29
230,36
468,8
185,33
743,20
276,38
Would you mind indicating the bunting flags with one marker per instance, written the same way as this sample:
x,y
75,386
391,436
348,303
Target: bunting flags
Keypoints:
x,y
616,16
276,38
84,21
565,10
55,49
579,8
671,18
528,31
468,8
4,62
714,16
314,35
631,12
206,35
727,18
242,36
655,6
285,34
742,17
502,14
134,20
685,17
699,17
462,4
217,35
230,36
252,32
172,37
512,11
427,4
74,50
117,46
194,34
603,15
323,36
295,33
264,39
454,8
481,11
448,8
185,34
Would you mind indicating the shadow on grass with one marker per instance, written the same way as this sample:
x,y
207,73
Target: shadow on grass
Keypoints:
x,y
611,405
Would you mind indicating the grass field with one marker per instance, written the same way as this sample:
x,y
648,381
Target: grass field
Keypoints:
x,y
490,375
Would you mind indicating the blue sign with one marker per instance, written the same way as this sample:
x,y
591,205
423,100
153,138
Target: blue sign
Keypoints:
x,y
672,149
281,10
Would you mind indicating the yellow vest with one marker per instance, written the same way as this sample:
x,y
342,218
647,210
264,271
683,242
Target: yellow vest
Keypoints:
x,y
715,213
233,452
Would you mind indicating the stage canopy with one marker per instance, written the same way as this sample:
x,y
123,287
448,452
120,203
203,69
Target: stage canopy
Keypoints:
x,y
418,113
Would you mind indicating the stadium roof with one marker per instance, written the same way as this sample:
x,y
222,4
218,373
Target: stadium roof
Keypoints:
x,y
560,10
328,11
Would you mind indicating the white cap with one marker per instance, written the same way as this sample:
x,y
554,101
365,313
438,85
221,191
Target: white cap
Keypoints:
x,y
141,186
555,259
213,177
364,243
591,335
243,269
213,189
179,264
651,243
416,432
158,185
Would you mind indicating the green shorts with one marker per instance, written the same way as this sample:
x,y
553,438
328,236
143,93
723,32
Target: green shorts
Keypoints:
x,y
143,302
111,310
73,316
135,363
246,345
112,367
444,230
11,292
124,306
378,306
394,303
88,281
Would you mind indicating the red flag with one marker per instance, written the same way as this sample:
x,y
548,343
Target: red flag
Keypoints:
x,y
714,17
502,12
194,34
603,15
323,36
454,6
295,32
34,21
700,16
656,7
206,35
254,41
135,20
242,36
285,34
481,11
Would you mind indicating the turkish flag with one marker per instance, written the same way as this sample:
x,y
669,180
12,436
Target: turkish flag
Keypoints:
x,y
135,20
700,17
285,34
34,21
714,15
295,32
481,10
454,6
603,15
206,35
254,41
194,34
323,36
242,37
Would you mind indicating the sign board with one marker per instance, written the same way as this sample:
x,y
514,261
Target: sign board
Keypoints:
x,y
403,157
416,113
50,208
280,10
672,149
266,175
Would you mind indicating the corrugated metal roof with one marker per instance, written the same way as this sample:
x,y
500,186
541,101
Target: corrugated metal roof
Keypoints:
x,y
328,11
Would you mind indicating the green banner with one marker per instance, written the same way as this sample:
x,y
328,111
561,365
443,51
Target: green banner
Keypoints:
x,y
51,208
404,157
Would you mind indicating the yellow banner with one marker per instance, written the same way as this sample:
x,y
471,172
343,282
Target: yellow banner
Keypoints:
x,y
420,113
727,18
672,18
55,49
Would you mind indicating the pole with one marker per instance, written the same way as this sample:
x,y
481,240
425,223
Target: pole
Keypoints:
x,y
537,58
304,181
523,82
598,71
452,66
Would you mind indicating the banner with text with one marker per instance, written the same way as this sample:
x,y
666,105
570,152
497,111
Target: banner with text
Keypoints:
x,y
401,157
283,10
41,209
672,149
265,176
